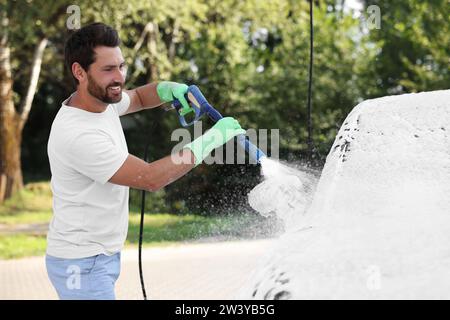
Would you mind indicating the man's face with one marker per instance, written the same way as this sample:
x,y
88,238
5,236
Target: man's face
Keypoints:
x,y
106,76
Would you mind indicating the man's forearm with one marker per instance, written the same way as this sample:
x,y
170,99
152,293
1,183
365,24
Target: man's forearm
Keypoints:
x,y
169,169
143,97
154,94
147,95
138,174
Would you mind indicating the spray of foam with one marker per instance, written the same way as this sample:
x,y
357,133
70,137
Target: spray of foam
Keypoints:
x,y
285,192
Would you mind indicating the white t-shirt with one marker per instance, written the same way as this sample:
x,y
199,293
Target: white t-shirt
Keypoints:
x,y
85,149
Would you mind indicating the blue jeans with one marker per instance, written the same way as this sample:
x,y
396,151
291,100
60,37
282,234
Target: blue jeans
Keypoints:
x,y
91,278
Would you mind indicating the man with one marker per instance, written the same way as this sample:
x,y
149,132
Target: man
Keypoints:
x,y
92,170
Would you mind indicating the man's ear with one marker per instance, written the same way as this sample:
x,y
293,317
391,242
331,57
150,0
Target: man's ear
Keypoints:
x,y
78,72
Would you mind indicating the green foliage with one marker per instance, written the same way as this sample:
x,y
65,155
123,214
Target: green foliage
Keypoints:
x,y
412,51
154,201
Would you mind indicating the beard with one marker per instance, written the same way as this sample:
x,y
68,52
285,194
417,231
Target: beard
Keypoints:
x,y
105,95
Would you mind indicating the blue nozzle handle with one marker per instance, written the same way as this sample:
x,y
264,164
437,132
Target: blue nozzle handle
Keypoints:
x,y
197,111
201,106
253,151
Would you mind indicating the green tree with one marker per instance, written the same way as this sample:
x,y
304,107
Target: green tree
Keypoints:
x,y
26,29
278,92
411,48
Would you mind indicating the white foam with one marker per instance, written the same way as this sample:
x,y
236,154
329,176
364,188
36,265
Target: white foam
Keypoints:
x,y
379,224
285,192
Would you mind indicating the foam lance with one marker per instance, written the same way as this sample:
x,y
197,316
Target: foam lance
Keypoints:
x,y
200,107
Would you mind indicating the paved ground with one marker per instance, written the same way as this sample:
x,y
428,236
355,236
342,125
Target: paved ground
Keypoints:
x,y
28,228
192,271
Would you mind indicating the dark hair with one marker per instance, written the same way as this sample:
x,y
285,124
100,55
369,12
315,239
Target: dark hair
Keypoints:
x,y
80,45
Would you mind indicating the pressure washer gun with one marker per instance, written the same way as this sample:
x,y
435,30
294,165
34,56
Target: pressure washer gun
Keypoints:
x,y
201,107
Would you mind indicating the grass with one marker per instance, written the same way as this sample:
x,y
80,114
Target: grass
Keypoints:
x,y
21,245
168,228
33,205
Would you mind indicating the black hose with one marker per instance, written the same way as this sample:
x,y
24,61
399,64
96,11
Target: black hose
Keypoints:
x,y
141,231
311,43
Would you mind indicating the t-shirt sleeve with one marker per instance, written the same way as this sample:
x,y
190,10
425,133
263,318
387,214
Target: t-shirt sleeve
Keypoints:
x,y
122,106
94,154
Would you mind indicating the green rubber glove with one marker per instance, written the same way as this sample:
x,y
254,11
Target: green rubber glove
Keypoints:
x,y
225,129
168,91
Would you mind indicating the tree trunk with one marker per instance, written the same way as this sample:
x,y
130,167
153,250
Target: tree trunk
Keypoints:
x,y
10,136
11,120
10,140
153,36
